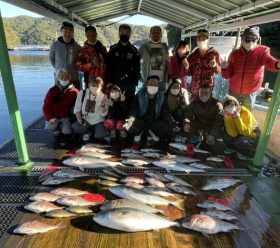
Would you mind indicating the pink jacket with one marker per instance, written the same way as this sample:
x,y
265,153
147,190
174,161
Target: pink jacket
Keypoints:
x,y
246,69
176,69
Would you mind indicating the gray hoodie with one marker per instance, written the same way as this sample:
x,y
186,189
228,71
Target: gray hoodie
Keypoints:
x,y
64,56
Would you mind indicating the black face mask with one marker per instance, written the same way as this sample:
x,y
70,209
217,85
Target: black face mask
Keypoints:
x,y
124,38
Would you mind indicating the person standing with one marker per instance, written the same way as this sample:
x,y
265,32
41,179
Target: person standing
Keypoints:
x,y
92,57
63,53
203,63
123,64
245,67
154,54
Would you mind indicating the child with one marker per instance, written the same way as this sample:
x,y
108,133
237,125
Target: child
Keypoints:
x,y
117,113
241,129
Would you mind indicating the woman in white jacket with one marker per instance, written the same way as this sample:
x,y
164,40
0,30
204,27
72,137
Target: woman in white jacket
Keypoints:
x,y
90,109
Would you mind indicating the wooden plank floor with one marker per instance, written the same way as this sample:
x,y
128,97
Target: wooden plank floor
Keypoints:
x,y
260,230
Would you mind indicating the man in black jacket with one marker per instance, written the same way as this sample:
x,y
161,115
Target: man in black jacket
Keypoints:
x,y
123,64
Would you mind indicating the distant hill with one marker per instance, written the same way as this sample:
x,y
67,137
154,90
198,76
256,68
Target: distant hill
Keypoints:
x,y
43,31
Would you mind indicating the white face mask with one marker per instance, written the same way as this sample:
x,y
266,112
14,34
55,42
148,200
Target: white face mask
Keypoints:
x,y
203,44
152,90
93,90
64,83
115,95
174,92
230,109
204,99
249,46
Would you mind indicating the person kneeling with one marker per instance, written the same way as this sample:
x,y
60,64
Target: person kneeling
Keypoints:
x,y
58,103
241,129
90,109
149,113
204,115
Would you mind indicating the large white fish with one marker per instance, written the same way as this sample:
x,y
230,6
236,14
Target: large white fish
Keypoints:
x,y
69,173
180,188
91,154
124,203
214,159
177,180
134,185
135,162
59,213
220,184
182,159
131,179
156,175
132,220
108,183
35,226
56,181
65,191
144,197
214,205
171,165
79,210
44,196
218,214
183,147
90,148
41,206
75,201
83,162
207,224
164,192
98,145
151,155
200,166
155,182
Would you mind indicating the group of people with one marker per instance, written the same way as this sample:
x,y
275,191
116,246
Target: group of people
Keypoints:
x,y
165,108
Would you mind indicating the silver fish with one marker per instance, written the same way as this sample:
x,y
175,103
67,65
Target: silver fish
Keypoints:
x,y
214,205
156,175
200,166
69,173
214,159
65,191
41,206
151,155
98,145
218,214
75,201
56,181
131,179
207,224
131,155
155,182
135,162
111,173
177,180
79,210
124,203
220,184
183,147
132,220
171,165
180,188
182,159
35,226
90,148
108,183
134,185
59,213
92,154
108,177
164,192
44,196
144,197
119,171
128,150
150,150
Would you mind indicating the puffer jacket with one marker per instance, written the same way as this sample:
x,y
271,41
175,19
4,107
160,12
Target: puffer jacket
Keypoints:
x,y
246,69
200,70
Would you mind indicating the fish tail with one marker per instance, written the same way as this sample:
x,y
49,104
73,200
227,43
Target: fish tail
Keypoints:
x,y
178,204
60,225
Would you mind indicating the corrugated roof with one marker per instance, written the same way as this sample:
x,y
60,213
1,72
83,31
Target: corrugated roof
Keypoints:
x,y
187,14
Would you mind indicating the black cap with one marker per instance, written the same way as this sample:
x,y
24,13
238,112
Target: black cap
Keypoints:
x,y
67,25
89,28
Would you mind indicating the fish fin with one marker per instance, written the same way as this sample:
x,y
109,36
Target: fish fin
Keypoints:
x,y
205,234
60,225
81,168
220,190
179,204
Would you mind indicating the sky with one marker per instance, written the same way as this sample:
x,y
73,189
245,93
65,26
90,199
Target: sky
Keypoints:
x,y
8,10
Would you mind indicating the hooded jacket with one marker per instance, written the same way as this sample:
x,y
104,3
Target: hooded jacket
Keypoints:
x,y
64,56
246,69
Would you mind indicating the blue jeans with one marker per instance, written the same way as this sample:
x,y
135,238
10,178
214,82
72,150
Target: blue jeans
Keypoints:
x,y
247,101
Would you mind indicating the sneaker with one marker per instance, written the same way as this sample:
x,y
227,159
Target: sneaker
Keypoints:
x,y
228,151
154,137
112,133
86,137
137,138
56,133
242,157
123,134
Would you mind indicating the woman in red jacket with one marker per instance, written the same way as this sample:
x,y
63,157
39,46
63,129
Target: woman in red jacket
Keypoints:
x,y
245,67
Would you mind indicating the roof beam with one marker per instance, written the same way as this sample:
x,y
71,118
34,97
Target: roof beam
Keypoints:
x,y
139,6
183,8
92,5
105,18
147,13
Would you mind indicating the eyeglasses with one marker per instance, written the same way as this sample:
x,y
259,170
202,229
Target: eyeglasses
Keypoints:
x,y
249,39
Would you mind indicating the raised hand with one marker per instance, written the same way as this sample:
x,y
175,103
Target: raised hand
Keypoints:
x,y
185,63
122,96
129,122
213,62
